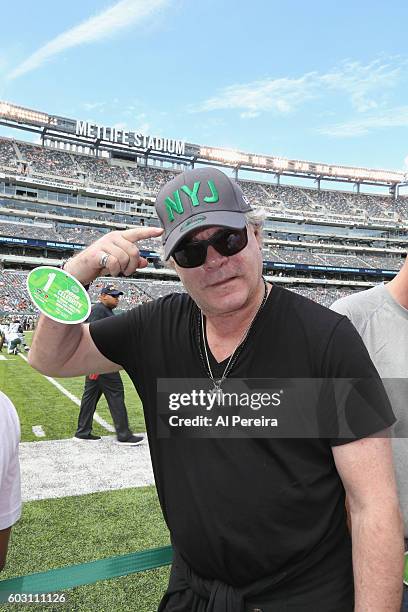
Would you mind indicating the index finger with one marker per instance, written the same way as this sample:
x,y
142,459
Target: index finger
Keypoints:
x,y
141,233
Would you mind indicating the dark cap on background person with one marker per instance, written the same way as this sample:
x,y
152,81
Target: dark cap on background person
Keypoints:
x,y
199,198
111,290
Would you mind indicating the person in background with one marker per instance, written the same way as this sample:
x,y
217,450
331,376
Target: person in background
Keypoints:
x,y
380,315
13,337
110,385
10,488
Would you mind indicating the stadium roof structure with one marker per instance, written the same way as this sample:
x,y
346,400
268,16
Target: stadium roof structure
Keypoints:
x,y
75,133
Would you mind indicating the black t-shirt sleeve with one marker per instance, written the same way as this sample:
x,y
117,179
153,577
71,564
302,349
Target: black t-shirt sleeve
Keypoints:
x,y
360,400
120,338
133,338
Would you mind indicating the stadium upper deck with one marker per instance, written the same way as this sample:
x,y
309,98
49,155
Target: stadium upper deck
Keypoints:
x,y
290,243
38,165
76,135
61,195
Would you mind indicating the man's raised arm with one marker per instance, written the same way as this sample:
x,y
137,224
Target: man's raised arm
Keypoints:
x,y
68,350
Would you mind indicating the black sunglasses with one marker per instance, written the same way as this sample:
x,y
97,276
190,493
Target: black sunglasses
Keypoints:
x,y
227,242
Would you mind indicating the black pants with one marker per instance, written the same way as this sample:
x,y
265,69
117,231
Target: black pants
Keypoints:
x,y
111,386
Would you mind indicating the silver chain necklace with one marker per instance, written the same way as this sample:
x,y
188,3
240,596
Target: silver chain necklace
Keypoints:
x,y
216,390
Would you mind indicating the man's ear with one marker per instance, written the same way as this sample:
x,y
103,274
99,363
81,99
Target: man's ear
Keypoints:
x,y
258,235
170,263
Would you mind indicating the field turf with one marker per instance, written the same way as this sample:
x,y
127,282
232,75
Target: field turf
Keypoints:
x,y
57,532
39,402
66,531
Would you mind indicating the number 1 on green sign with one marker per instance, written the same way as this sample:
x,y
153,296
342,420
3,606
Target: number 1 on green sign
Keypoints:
x,y
50,280
58,295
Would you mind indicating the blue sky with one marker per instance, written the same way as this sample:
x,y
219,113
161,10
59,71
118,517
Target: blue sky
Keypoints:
x,y
317,80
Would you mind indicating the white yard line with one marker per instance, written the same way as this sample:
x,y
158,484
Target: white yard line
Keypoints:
x,y
61,468
74,399
38,431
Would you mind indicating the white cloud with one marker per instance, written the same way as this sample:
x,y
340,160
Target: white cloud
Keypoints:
x,y
249,115
361,82
365,86
118,17
94,105
389,118
281,95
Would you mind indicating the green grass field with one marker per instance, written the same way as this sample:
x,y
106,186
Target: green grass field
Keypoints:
x,y
70,530
57,532
38,402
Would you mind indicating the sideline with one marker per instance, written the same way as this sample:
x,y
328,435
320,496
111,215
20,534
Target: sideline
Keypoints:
x,y
64,468
74,399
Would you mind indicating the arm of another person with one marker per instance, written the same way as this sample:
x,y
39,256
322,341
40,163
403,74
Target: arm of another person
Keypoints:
x,y
366,469
68,350
4,540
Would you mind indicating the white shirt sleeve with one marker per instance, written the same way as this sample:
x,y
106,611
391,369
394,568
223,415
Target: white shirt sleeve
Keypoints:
x,y
10,486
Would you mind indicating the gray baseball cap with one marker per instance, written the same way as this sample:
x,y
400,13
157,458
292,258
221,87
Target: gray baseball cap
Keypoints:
x,y
197,199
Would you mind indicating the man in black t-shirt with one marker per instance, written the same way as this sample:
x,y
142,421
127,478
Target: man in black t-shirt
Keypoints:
x,y
110,385
256,523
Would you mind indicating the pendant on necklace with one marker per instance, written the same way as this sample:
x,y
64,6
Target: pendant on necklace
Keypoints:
x,y
217,391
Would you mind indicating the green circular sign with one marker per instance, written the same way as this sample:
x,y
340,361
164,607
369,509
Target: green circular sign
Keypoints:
x,y
58,295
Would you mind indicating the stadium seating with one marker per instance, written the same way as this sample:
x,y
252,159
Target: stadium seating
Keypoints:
x,y
14,298
99,171
82,234
281,198
322,295
152,179
47,161
7,154
62,232
22,159
13,293
13,225
332,259
102,173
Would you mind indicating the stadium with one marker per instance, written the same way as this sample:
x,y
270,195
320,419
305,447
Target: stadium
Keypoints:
x,y
330,230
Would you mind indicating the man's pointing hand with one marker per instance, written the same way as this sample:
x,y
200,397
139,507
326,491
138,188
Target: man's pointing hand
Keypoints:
x,y
115,253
